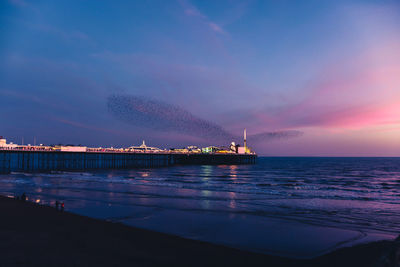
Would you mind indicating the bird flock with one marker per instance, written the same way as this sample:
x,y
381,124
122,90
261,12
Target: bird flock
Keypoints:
x,y
161,116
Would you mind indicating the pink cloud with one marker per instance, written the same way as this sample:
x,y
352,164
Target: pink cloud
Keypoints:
x,y
359,88
191,11
215,27
364,98
369,98
357,91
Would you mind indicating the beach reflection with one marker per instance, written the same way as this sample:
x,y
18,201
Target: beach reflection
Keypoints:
x,y
206,172
233,171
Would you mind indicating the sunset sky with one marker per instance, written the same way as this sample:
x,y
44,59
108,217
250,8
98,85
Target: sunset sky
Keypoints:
x,y
328,69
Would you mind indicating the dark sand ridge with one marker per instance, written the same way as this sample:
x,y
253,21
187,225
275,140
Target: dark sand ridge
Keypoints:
x,y
35,235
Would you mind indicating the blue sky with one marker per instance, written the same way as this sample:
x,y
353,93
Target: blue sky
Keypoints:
x,y
326,68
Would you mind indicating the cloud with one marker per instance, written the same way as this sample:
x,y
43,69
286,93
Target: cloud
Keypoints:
x,y
188,84
87,126
68,36
370,98
39,87
191,11
25,5
368,95
215,27
358,89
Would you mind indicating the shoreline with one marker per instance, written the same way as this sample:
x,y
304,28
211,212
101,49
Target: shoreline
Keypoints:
x,y
39,235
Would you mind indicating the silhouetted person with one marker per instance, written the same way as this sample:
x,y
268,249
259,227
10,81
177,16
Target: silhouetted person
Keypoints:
x,y
57,204
23,197
62,206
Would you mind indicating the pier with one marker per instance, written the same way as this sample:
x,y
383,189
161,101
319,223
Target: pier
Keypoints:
x,y
27,158
42,161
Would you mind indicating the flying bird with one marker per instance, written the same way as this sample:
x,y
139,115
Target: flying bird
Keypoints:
x,y
161,116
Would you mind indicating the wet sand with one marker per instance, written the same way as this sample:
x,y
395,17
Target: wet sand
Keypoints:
x,y
36,235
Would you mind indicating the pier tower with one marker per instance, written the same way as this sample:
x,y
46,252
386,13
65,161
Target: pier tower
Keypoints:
x,y
244,141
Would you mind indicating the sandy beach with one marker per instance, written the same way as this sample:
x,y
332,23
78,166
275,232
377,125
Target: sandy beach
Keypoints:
x,y
37,235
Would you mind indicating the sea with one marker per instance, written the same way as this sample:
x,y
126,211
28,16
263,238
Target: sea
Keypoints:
x,y
287,206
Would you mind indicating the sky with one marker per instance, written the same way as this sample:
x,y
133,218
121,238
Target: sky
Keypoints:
x,y
185,72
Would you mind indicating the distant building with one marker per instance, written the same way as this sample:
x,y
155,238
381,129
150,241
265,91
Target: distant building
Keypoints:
x,y
234,147
3,143
193,149
224,151
244,150
241,150
210,149
143,147
73,148
181,150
